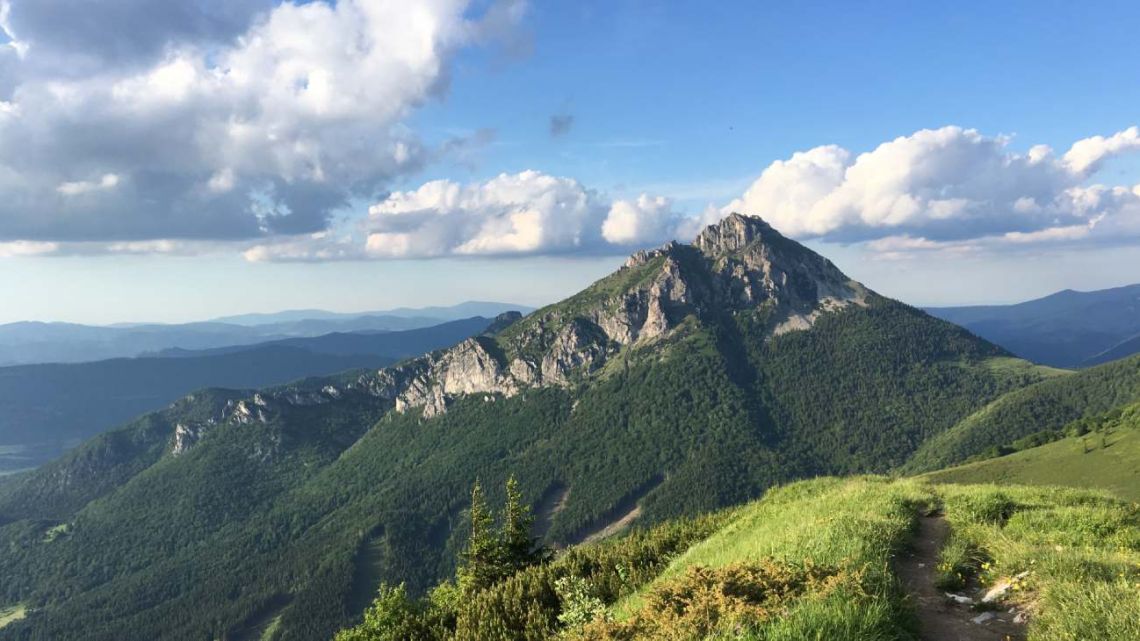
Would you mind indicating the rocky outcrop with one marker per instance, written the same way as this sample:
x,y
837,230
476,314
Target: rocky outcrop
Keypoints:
x,y
732,234
186,437
753,265
262,407
429,381
580,346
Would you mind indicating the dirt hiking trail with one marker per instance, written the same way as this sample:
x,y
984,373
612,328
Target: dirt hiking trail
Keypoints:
x,y
940,619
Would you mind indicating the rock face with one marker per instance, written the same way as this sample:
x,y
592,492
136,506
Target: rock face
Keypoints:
x,y
261,407
467,368
185,437
736,265
754,265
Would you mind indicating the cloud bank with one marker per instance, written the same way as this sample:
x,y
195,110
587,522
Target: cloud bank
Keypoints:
x,y
948,187
214,120
233,124
522,214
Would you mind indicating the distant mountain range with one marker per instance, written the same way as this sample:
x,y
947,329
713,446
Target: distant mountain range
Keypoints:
x,y
46,408
1066,329
37,342
454,312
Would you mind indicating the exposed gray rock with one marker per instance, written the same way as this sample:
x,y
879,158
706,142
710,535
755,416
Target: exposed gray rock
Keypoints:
x,y
730,235
984,617
580,346
249,411
623,323
1001,588
754,265
185,437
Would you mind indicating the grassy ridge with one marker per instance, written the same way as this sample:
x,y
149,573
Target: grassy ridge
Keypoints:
x,y
815,560
812,560
1069,462
852,526
1080,547
1100,452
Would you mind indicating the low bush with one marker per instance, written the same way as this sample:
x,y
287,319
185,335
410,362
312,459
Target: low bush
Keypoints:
x,y
706,601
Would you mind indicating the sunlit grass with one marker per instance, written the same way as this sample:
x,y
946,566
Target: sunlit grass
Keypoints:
x,y
12,613
1112,464
852,526
1081,549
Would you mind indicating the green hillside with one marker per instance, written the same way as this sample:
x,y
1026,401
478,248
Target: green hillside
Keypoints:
x,y
1108,457
835,559
1048,405
673,387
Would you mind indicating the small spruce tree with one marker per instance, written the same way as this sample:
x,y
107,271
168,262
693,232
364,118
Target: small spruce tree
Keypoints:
x,y
480,563
517,545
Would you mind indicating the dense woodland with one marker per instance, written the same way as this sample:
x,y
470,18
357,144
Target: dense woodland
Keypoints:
x,y
1049,405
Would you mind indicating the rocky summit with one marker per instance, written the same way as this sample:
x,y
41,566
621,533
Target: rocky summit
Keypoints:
x,y
740,263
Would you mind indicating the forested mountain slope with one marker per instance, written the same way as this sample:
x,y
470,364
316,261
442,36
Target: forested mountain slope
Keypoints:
x,y
1048,405
695,377
45,409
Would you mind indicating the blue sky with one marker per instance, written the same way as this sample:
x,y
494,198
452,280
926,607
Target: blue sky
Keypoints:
x,y
684,103
717,92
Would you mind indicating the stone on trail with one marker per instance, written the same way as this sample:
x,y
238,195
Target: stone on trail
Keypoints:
x,y
984,617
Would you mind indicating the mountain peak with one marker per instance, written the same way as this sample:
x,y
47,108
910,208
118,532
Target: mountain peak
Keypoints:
x,y
732,234
741,265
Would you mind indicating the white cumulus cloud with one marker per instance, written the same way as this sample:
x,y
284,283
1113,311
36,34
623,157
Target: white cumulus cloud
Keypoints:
x,y
645,220
938,188
243,120
1085,155
526,213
